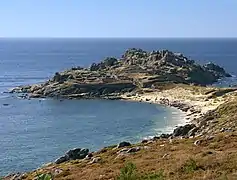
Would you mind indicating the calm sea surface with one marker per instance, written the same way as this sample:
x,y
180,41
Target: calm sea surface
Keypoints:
x,y
33,132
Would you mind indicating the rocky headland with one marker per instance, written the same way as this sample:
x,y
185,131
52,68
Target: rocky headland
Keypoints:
x,y
135,70
204,148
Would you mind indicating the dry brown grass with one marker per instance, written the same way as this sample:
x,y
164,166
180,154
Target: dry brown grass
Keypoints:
x,y
212,159
225,116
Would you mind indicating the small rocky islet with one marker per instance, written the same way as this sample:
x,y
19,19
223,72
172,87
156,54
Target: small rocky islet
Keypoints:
x,y
136,69
205,147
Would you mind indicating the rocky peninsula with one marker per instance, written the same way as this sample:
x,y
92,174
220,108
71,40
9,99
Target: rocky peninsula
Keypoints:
x,y
135,70
205,148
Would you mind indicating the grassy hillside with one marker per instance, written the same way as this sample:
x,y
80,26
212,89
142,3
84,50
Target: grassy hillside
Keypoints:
x,y
205,157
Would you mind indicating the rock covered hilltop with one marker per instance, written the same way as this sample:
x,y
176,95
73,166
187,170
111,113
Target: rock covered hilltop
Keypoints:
x,y
136,69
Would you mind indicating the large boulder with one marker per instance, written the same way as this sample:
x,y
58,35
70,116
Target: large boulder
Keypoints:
x,y
183,130
73,154
123,144
61,159
77,153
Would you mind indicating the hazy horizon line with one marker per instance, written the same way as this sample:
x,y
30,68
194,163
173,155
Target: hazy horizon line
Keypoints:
x,y
118,37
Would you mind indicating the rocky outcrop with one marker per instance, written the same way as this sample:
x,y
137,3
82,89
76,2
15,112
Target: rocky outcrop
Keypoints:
x,y
108,62
129,150
183,130
73,154
15,176
136,69
216,70
123,144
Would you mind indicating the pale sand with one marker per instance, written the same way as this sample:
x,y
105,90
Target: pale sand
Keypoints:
x,y
192,97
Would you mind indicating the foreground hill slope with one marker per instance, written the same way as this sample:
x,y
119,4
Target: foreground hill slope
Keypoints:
x,y
208,157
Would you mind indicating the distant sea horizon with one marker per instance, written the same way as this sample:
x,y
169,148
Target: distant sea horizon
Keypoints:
x,y
154,38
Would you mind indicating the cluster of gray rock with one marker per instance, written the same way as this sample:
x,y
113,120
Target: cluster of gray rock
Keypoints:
x,y
73,154
187,130
78,153
134,70
179,105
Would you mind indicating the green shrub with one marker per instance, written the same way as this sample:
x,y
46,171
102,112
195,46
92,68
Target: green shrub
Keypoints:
x,y
128,172
44,177
190,166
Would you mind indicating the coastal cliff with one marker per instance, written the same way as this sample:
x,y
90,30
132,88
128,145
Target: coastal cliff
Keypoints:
x,y
205,148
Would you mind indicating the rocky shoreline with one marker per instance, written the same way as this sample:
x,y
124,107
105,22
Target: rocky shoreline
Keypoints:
x,y
161,77
195,101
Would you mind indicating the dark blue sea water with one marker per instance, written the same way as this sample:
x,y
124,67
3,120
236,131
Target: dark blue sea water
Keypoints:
x,y
34,132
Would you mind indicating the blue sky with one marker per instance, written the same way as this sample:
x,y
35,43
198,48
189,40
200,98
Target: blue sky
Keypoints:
x,y
120,18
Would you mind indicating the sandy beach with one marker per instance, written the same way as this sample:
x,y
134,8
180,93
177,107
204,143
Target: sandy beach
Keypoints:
x,y
193,101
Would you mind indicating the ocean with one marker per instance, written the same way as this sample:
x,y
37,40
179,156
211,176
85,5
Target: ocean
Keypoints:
x,y
33,132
